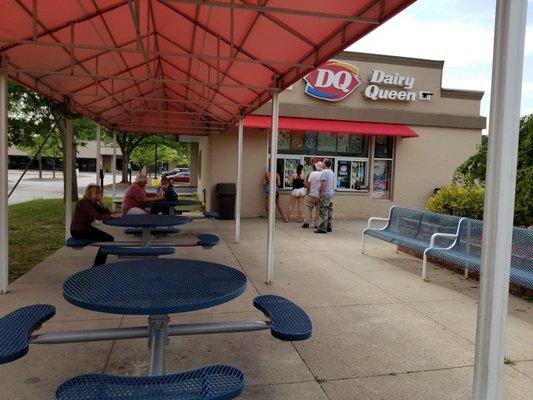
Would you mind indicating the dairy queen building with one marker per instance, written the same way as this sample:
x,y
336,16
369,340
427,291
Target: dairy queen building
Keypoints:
x,y
393,133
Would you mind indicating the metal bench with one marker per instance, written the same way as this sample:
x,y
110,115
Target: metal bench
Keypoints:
x,y
465,251
77,244
146,252
413,229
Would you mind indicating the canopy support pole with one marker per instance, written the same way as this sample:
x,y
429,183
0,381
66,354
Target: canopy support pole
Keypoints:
x,y
114,168
509,38
98,155
4,225
69,137
273,186
238,203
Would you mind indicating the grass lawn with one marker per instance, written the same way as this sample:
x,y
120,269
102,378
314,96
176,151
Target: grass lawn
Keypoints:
x,y
36,230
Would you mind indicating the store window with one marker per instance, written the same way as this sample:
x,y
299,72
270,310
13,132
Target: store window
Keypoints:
x,y
382,171
347,152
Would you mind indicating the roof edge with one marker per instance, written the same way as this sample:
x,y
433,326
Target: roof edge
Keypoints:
x,y
462,94
398,60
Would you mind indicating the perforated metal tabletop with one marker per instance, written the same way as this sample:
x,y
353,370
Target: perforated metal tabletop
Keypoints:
x,y
147,220
154,287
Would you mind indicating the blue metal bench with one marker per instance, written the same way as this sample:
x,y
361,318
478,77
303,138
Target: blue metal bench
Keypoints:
x,y
137,251
16,328
211,214
465,251
414,229
216,382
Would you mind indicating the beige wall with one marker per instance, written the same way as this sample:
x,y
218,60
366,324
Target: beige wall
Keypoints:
x,y
223,167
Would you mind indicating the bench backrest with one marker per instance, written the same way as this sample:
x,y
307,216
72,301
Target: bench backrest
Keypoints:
x,y
421,225
471,233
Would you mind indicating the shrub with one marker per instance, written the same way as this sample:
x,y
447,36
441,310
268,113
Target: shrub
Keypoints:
x,y
463,201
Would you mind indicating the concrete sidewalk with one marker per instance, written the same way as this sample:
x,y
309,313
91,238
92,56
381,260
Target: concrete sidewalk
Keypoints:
x,y
379,331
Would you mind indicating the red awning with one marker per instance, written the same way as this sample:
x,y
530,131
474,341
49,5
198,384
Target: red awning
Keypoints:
x,y
329,125
176,66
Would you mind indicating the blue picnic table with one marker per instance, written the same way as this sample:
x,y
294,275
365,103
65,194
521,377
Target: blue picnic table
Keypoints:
x,y
147,222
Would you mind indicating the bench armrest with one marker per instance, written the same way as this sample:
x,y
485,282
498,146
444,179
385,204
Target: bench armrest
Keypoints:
x,y
371,219
441,235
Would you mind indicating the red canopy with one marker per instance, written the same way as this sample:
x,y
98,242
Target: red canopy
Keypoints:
x,y
176,66
329,125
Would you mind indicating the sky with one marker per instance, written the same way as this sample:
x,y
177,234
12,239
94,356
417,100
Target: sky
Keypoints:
x,y
459,32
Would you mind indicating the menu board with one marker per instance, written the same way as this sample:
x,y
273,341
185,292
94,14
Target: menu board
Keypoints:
x,y
356,144
310,142
327,142
297,141
343,142
284,140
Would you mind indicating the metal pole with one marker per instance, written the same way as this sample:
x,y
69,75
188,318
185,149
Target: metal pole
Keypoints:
x,y
158,340
98,155
4,225
272,191
509,38
69,137
240,142
114,168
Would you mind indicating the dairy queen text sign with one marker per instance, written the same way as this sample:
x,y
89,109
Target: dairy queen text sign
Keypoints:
x,y
332,81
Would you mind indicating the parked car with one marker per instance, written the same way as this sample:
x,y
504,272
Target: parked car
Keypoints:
x,y
174,171
179,177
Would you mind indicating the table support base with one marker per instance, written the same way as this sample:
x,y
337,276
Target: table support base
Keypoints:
x,y
157,342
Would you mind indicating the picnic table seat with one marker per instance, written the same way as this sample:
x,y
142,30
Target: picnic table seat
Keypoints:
x,y
137,251
77,243
16,328
207,240
211,214
215,382
412,228
289,321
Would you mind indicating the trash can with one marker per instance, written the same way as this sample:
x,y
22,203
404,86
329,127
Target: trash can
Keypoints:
x,y
226,200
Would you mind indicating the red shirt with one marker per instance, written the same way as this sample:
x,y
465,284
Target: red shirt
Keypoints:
x,y
135,196
86,212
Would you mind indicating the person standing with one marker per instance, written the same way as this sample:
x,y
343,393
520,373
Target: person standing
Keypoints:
x,y
266,191
325,194
299,182
311,200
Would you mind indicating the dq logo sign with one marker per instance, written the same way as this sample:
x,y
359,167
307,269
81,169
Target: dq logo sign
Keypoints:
x,y
333,81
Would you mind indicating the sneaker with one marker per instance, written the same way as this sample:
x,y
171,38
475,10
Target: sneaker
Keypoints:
x,y
306,225
319,231
329,229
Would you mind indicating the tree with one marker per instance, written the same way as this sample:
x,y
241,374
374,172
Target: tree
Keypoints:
x,y
145,155
127,142
473,171
51,148
32,115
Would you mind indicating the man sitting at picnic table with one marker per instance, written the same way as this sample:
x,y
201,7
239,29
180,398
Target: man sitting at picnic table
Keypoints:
x,y
136,196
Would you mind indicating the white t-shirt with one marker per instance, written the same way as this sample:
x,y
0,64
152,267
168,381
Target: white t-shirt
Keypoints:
x,y
314,183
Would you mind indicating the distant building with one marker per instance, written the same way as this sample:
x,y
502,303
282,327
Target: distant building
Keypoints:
x,y
86,158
